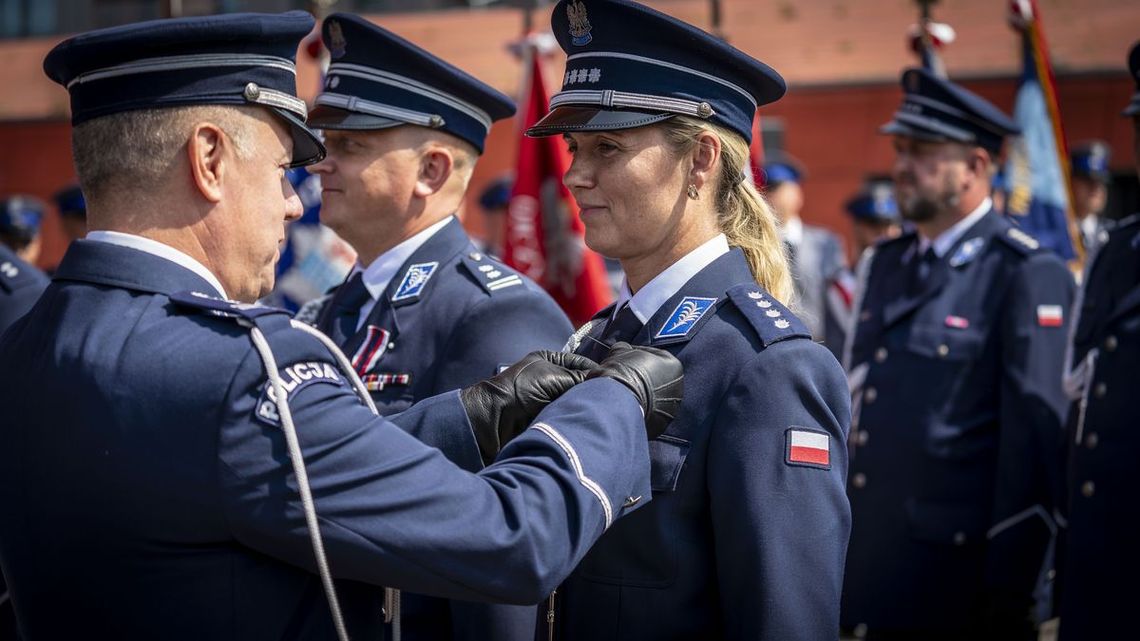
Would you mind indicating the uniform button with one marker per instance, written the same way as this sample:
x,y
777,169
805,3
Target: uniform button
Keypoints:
x,y
392,345
859,480
1110,343
861,437
959,538
860,631
881,355
1091,440
943,350
1088,488
1100,390
870,395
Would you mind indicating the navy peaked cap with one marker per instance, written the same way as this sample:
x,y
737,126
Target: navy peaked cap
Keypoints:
x,y
1133,107
628,65
233,59
876,203
781,167
377,80
1090,159
20,216
70,201
936,109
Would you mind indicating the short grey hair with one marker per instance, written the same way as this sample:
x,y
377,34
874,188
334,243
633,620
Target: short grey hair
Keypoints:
x,y
130,148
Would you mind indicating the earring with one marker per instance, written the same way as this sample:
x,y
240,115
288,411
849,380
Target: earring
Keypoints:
x,y
693,193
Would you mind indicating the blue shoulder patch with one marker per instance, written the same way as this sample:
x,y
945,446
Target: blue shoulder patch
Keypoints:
x,y
772,321
414,281
685,317
489,273
223,307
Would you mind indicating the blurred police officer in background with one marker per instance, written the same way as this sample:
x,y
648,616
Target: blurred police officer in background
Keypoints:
x,y
424,312
1088,162
21,283
1100,562
874,217
72,212
746,534
20,220
815,253
175,492
958,341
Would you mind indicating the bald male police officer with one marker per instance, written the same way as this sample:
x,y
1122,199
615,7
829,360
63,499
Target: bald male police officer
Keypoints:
x,y
957,346
1100,562
424,312
176,465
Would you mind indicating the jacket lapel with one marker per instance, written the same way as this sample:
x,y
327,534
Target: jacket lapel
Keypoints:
x,y
683,315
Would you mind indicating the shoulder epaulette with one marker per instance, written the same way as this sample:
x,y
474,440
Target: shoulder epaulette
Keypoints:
x,y
224,308
772,321
1020,241
14,275
491,274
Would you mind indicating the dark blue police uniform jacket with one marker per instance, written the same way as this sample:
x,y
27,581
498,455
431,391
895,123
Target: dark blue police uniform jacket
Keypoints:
x,y
147,492
20,286
954,445
741,541
1101,562
471,318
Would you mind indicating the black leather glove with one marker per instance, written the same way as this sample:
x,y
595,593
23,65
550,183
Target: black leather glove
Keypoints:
x,y
502,406
655,377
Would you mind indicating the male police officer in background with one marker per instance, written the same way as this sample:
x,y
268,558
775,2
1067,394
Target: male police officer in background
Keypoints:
x,y
21,283
815,253
1100,561
1089,164
148,473
424,311
957,347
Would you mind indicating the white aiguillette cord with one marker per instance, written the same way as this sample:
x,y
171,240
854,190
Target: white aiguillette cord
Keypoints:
x,y
391,596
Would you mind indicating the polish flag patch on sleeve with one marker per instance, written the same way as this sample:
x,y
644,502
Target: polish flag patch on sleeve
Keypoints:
x,y
1050,315
809,448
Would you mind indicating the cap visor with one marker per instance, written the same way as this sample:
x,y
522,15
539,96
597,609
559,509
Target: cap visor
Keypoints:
x,y
896,128
307,146
566,119
1133,107
325,117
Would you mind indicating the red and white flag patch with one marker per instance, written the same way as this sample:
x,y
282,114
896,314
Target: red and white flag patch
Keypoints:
x,y
1050,315
808,447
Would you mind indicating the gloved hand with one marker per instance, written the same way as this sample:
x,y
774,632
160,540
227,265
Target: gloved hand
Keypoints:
x,y
502,406
655,377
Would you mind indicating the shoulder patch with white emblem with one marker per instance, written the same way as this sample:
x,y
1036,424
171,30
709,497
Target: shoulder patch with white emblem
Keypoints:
x,y
415,279
685,316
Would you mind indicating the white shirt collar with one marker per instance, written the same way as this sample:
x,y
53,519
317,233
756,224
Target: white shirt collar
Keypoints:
x,y
792,230
653,295
946,239
381,271
162,250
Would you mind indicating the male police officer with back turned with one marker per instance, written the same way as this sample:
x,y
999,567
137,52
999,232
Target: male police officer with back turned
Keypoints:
x,y
423,312
207,456
957,346
1100,562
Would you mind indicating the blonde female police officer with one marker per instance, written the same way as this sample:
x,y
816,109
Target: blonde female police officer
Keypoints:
x,y
746,534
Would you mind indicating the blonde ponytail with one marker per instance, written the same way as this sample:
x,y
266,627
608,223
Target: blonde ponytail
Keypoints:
x,y
744,216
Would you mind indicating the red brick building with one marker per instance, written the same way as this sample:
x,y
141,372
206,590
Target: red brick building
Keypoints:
x,y
841,59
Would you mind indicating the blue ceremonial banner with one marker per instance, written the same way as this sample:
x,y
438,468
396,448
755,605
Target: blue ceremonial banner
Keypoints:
x,y
1037,168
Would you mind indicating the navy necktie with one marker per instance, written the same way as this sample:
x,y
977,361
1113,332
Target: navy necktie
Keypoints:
x,y
346,308
622,327
921,275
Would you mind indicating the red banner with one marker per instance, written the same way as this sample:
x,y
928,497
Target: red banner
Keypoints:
x,y
544,233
